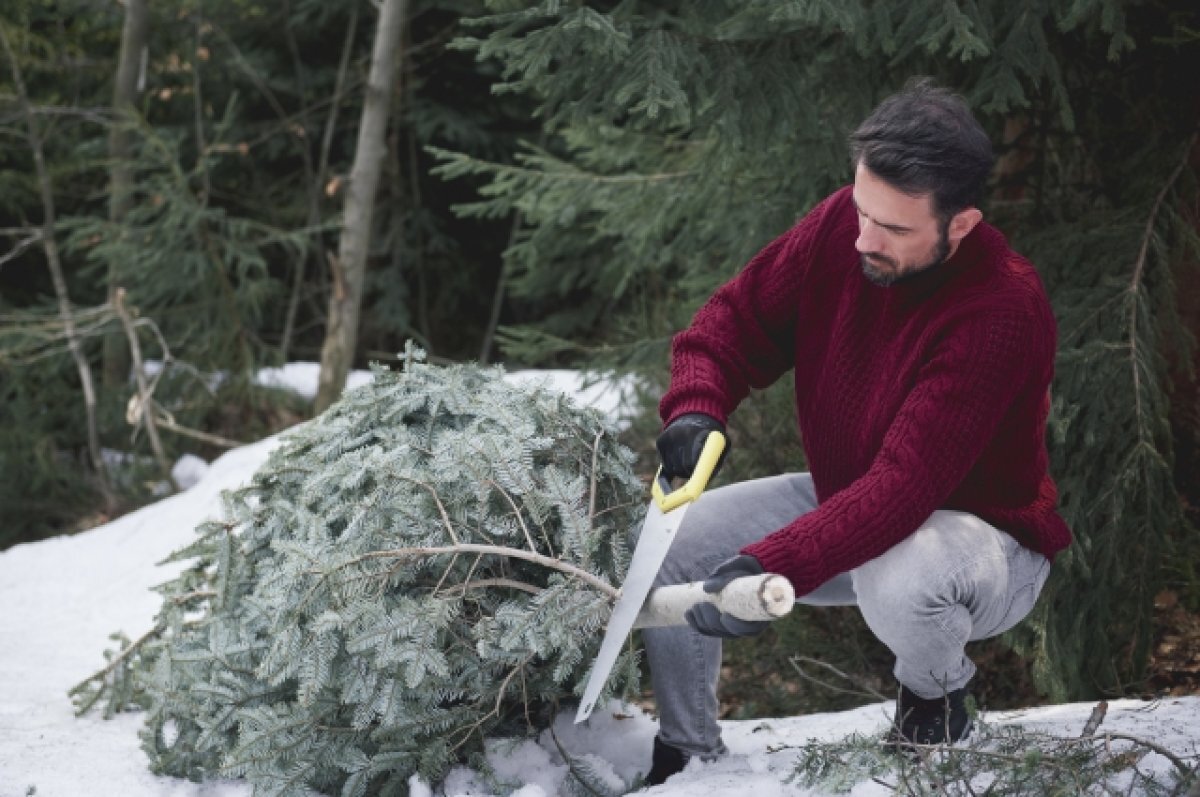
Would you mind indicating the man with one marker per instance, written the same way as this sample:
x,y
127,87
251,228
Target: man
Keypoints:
x,y
922,348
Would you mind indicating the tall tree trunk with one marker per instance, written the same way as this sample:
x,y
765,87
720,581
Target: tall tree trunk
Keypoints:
x,y
125,93
56,273
350,264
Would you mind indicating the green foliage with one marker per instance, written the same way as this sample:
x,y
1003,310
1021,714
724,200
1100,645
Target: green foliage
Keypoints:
x,y
680,138
417,569
666,171
1115,327
1006,761
201,272
41,488
243,132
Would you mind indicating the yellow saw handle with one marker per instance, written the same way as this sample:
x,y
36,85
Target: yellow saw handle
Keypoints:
x,y
668,499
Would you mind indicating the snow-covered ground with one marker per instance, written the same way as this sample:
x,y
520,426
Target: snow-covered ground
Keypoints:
x,y
61,598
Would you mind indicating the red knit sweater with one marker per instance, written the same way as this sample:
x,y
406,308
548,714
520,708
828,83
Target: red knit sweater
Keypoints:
x,y
929,394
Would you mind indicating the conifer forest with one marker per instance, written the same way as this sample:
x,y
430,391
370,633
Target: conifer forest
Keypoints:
x,y
191,191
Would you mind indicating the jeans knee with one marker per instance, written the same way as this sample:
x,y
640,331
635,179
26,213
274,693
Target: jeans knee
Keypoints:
x,y
941,573
892,597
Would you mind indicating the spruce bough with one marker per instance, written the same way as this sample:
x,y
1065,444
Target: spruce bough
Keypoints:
x,y
421,567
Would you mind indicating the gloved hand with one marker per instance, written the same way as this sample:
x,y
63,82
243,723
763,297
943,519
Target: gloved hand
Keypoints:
x,y
711,621
680,444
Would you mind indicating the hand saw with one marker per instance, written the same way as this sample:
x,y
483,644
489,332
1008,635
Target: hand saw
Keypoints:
x,y
666,512
765,597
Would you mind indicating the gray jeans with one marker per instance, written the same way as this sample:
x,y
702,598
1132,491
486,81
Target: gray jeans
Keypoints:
x,y
954,580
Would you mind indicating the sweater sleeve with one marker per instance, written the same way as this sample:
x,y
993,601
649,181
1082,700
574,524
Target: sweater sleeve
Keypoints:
x,y
958,399
743,337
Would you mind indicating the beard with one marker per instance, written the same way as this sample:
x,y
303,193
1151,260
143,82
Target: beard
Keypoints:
x,y
884,279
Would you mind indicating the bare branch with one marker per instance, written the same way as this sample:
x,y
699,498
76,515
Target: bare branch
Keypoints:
x,y
495,550
21,245
134,647
144,392
864,690
516,512
495,582
168,422
1184,769
592,487
441,508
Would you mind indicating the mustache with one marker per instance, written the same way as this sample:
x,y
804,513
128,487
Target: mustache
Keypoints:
x,y
879,260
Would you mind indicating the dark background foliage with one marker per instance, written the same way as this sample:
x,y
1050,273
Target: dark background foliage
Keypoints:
x,y
564,183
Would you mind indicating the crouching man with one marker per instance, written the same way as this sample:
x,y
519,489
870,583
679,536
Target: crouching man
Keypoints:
x,y
922,349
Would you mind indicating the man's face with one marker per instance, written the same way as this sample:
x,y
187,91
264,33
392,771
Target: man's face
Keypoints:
x,y
898,234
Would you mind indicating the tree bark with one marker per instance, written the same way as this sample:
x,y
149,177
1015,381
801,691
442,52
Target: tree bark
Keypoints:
x,y
126,89
350,264
56,273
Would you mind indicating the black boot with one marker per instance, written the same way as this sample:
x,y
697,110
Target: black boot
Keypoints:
x,y
919,720
667,761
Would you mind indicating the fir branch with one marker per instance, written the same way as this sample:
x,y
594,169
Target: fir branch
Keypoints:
x,y
103,673
1058,744
569,760
1139,270
493,550
495,712
459,163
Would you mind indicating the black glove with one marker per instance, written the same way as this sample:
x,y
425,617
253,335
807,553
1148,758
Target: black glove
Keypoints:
x,y
680,444
711,621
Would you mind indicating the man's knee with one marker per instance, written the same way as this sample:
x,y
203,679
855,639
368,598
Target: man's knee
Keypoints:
x,y
945,562
954,562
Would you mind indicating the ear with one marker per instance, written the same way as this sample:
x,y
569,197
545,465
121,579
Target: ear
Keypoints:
x,y
962,223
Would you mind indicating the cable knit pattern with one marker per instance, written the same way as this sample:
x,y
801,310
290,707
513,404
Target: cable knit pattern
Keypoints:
x,y
930,394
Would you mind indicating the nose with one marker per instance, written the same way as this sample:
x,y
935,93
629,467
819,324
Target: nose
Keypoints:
x,y
868,237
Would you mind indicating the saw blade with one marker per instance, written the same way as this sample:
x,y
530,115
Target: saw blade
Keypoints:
x,y
658,531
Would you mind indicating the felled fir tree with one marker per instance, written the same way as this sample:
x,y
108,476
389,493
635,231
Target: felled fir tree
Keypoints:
x,y
424,565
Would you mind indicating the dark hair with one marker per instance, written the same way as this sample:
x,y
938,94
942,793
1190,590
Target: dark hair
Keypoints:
x,y
924,140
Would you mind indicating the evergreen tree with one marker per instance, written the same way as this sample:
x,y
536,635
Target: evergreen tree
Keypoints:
x,y
423,566
236,154
682,137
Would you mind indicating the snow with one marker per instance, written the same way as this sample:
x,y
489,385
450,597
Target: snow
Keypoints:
x,y
301,378
61,598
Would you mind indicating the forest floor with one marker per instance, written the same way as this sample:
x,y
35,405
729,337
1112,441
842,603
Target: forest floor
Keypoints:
x,y
1175,658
